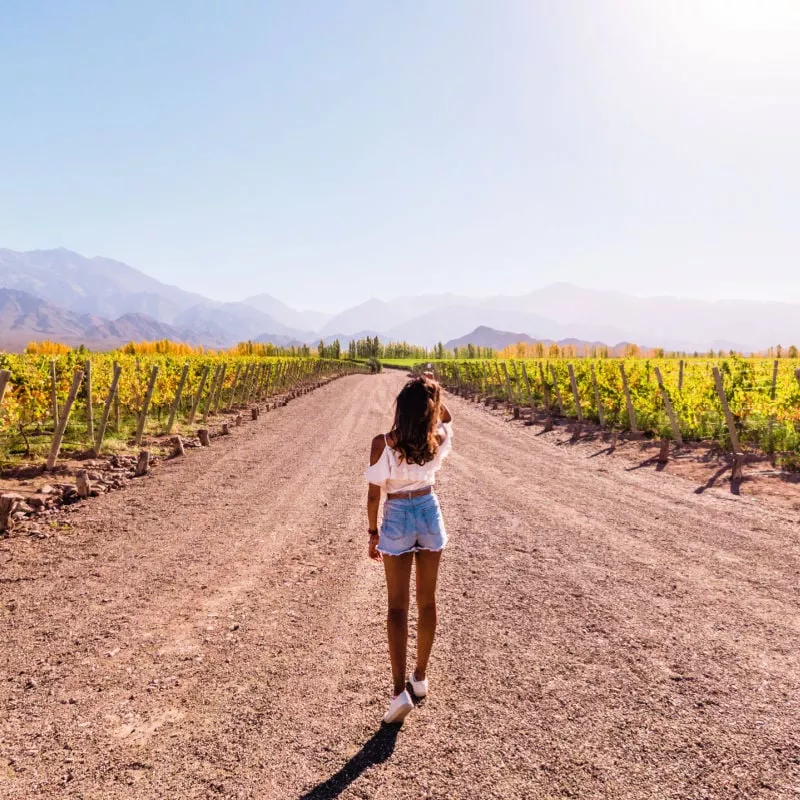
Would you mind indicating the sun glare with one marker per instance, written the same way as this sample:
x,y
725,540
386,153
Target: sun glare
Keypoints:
x,y
736,30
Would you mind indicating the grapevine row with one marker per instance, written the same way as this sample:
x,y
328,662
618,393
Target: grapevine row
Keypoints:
x,y
762,395
151,395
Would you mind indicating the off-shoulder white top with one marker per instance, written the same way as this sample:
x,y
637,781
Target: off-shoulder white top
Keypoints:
x,y
394,475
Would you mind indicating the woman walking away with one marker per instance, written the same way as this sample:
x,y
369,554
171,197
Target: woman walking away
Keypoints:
x,y
403,464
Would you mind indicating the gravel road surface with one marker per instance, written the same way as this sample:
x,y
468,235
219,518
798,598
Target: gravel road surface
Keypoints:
x,y
216,630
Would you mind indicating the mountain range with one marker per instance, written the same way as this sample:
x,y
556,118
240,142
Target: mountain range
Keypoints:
x,y
100,302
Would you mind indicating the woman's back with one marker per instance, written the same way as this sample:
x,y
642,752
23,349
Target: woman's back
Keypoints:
x,y
394,474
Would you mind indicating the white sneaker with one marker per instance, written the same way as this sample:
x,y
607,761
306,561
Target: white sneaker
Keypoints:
x,y
420,687
399,708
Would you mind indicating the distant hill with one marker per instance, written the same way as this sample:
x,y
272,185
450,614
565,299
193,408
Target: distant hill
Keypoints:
x,y
484,336
300,320
278,340
110,290
240,321
25,318
98,286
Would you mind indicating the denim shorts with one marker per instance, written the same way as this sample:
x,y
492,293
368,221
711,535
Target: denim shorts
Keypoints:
x,y
411,524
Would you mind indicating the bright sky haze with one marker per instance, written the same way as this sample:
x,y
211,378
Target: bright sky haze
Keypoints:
x,y
327,152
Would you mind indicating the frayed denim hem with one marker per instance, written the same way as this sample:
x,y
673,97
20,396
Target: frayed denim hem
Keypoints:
x,y
413,550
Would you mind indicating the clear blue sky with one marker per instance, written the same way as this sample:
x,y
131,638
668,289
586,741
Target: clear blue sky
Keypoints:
x,y
330,151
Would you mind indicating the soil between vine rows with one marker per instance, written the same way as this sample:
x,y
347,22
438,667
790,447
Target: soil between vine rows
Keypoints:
x,y
217,631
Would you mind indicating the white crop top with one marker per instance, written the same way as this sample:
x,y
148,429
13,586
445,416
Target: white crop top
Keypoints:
x,y
394,475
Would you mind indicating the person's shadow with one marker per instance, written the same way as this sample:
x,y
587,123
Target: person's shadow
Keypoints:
x,y
376,750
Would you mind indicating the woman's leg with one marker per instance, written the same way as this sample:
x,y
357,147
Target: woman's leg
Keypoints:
x,y
398,578
427,573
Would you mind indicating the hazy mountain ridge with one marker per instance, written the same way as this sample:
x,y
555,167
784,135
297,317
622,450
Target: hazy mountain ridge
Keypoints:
x,y
99,286
278,310
110,290
25,318
484,336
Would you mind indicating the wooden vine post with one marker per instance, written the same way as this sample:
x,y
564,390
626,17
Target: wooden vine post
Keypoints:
x,y
233,387
557,390
89,411
258,376
601,413
142,464
797,375
497,375
176,403
517,382
146,407
5,375
456,379
628,401
507,380
58,435
112,394
116,406
201,386
545,388
574,384
54,392
527,383
242,384
680,376
726,410
8,503
177,447
738,455
673,417
83,484
280,378
285,370
254,383
484,378
774,388
219,390
245,383
258,388
211,391
267,381
286,378
255,380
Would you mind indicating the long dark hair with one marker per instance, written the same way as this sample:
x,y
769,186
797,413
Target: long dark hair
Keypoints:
x,y
416,419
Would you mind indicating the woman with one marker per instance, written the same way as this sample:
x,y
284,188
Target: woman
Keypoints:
x,y
403,464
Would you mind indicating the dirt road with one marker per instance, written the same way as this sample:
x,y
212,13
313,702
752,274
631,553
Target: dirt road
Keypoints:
x,y
217,631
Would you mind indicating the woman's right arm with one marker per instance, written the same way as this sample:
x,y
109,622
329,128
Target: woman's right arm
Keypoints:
x,y
444,413
374,498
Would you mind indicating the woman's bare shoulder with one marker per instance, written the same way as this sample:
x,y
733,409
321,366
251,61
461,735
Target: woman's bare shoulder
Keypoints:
x,y
377,448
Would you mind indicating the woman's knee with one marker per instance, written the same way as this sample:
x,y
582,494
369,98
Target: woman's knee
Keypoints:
x,y
398,615
426,605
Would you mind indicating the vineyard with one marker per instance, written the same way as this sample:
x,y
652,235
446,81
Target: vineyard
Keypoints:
x,y
87,402
734,402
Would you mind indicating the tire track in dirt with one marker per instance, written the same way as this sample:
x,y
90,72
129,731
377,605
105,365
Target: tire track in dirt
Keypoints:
x,y
217,631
